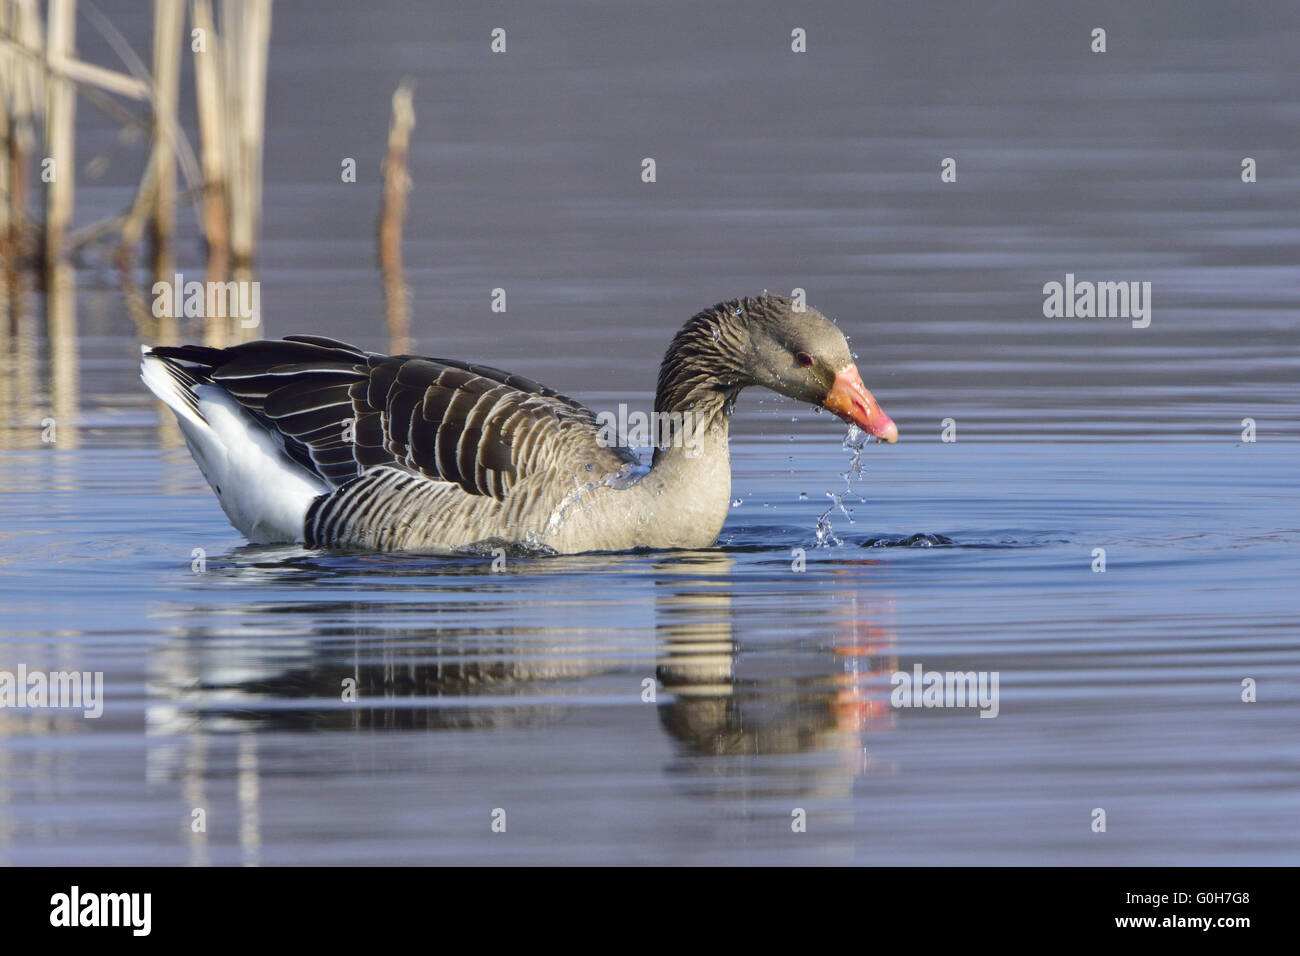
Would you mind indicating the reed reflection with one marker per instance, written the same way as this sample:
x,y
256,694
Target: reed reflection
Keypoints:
x,y
40,401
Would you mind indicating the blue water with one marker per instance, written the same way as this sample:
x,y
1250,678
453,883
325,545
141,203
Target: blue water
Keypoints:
x,y
523,689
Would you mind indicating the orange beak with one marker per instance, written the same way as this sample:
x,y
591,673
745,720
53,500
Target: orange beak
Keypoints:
x,y
850,400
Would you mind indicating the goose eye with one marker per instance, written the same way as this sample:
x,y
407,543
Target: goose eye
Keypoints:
x,y
803,358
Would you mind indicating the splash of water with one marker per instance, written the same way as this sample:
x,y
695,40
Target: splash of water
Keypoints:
x,y
855,441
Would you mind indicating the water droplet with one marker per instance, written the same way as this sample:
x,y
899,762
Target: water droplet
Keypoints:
x,y
855,440
737,503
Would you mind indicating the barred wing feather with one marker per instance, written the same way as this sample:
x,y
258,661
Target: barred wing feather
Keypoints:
x,y
340,411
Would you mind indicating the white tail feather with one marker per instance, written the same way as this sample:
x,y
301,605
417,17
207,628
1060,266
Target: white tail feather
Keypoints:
x,y
263,491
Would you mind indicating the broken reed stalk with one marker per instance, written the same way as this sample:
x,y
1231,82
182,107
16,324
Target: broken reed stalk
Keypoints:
x,y
397,182
212,141
60,116
168,24
247,25
21,100
8,66
6,83
136,219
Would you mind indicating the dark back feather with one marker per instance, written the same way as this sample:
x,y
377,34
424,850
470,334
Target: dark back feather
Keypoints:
x,y
339,411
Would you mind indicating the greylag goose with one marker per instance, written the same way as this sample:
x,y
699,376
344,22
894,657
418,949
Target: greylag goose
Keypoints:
x,y
310,440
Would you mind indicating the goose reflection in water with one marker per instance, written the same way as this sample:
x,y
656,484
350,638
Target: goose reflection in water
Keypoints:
x,y
729,680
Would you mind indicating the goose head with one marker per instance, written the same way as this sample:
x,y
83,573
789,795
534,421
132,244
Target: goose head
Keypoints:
x,y
803,355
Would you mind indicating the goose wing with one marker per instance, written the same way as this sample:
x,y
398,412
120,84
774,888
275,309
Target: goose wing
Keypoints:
x,y
340,411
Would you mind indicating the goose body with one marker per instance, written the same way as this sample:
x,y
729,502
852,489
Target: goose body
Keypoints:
x,y
311,440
